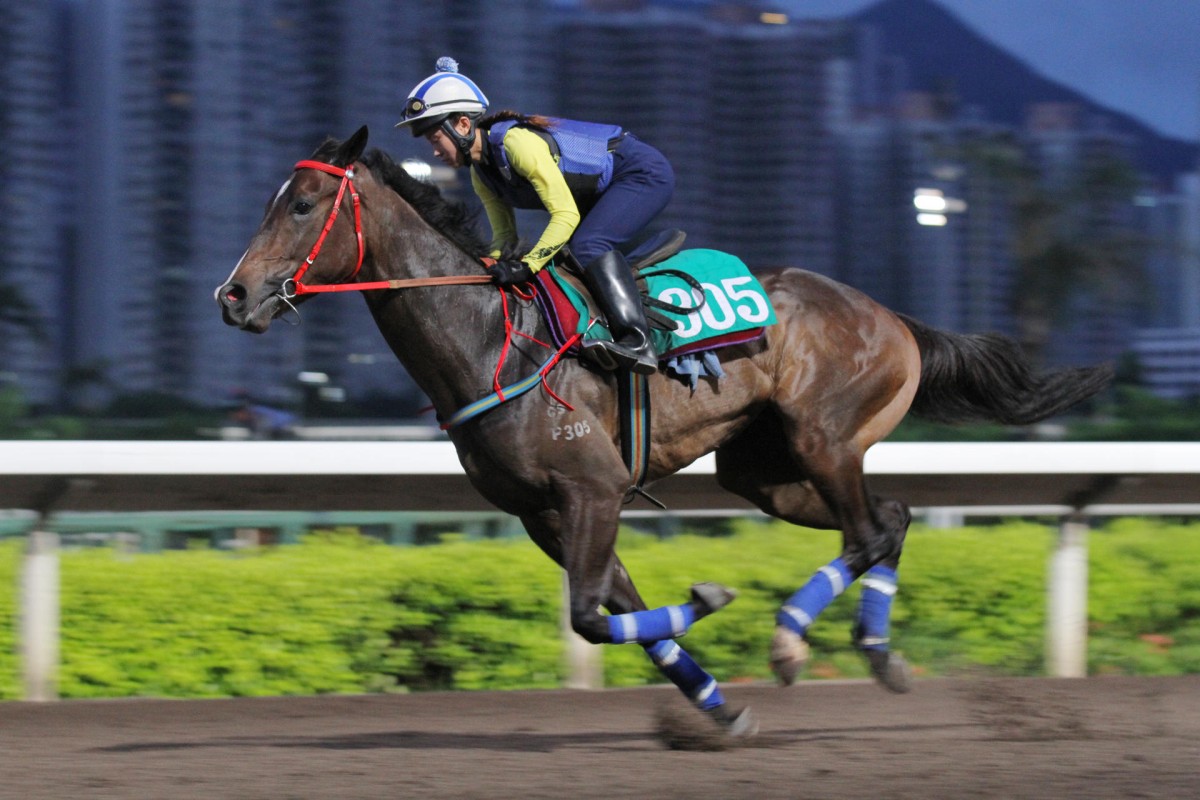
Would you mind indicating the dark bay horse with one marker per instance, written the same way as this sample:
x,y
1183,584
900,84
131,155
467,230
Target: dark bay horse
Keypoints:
x,y
790,422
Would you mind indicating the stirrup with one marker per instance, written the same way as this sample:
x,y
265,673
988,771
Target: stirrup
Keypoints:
x,y
612,356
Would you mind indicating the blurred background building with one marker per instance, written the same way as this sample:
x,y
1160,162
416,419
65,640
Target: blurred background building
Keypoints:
x,y
142,138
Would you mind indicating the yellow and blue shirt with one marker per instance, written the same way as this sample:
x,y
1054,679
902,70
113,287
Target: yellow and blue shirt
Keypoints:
x,y
560,169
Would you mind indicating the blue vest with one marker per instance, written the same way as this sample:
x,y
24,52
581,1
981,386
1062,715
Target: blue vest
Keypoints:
x,y
583,151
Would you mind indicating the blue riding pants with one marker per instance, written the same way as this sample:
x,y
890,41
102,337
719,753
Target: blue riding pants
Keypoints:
x,y
642,184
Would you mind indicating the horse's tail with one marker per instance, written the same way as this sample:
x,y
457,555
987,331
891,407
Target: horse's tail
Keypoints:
x,y
986,377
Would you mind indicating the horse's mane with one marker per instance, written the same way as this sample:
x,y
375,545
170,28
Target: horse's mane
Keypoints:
x,y
454,220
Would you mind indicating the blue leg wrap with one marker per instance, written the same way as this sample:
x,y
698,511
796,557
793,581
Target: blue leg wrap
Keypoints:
x,y
813,597
700,687
648,627
875,608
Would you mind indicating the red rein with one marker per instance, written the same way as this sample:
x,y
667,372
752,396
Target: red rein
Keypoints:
x,y
299,288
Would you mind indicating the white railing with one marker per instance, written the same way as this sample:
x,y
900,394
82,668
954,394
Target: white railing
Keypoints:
x,y
1070,480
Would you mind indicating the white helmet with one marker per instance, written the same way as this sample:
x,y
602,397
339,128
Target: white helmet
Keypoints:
x,y
440,96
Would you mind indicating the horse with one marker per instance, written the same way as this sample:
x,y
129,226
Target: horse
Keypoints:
x,y
790,422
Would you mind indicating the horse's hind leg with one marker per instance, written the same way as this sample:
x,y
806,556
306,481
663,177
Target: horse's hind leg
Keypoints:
x,y
673,661
759,466
873,621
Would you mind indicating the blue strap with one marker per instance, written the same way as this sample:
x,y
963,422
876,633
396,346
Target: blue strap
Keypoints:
x,y
812,598
492,400
674,662
875,608
653,625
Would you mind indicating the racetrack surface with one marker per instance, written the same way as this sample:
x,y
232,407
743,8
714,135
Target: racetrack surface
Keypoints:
x,y
982,738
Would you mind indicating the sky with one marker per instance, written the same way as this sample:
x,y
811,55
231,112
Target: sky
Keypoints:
x,y
1137,56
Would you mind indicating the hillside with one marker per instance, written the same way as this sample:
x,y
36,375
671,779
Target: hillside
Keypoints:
x,y
941,50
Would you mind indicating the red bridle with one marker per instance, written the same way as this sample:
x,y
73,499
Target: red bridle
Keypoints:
x,y
298,288
347,176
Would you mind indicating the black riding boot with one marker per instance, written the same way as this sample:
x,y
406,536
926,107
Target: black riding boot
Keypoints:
x,y
611,283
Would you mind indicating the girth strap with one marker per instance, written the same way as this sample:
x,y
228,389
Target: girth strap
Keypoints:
x,y
633,395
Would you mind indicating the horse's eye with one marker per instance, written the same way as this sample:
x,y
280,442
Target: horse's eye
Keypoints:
x,y
301,207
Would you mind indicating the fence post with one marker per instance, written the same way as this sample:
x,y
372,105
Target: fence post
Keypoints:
x,y
583,659
1066,616
39,625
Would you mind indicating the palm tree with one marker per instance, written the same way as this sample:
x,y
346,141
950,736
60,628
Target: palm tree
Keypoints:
x,y
84,385
1068,241
18,314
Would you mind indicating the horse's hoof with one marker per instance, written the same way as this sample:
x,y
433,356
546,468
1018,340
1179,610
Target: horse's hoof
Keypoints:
x,y
710,597
742,725
721,730
890,670
789,654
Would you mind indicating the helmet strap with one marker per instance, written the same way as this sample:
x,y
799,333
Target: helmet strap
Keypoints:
x,y
463,143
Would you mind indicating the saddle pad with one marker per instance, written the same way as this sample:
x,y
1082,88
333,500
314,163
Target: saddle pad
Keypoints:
x,y
736,310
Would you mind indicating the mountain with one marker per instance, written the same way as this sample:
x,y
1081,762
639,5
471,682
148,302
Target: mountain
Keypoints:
x,y
941,51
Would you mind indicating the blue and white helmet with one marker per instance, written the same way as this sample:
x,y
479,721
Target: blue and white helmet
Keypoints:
x,y
443,94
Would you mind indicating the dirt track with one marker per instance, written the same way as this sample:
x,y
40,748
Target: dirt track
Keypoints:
x,y
1096,738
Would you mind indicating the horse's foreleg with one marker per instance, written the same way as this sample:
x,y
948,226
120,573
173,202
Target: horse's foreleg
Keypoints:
x,y
673,661
678,666
668,622
590,532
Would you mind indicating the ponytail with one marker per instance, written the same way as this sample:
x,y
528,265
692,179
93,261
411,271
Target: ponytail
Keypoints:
x,y
537,121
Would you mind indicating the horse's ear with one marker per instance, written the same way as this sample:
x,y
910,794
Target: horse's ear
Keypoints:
x,y
351,149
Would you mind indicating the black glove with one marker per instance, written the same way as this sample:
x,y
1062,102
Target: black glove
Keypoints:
x,y
510,273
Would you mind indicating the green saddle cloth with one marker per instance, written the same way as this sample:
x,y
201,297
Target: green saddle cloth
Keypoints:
x,y
734,308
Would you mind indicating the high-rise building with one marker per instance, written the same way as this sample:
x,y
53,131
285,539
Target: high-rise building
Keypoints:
x,y
181,127
1083,166
1172,280
36,178
191,117
735,102
923,228
136,168
870,206
1169,361
1167,344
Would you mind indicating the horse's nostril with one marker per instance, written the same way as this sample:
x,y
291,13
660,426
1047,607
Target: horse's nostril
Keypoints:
x,y
233,293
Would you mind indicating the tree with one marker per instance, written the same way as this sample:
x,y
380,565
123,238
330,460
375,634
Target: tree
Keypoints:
x,y
85,384
18,314
1069,238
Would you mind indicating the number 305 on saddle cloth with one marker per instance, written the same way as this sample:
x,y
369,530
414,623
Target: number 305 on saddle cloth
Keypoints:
x,y
735,308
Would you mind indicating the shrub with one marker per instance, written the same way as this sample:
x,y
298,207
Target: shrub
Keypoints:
x,y
343,613
10,555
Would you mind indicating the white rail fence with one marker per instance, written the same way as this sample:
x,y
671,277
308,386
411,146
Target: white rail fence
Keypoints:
x,y
1074,481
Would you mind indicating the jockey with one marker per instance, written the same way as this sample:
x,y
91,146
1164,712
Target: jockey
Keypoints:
x,y
600,184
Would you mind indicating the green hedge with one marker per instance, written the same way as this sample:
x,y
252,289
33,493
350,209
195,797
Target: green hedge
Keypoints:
x,y
10,551
340,613
1144,614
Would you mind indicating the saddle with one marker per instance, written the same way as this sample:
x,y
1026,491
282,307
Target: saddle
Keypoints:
x,y
678,287
697,301
657,248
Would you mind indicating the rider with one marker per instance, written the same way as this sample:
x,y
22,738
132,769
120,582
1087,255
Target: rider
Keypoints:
x,y
600,184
